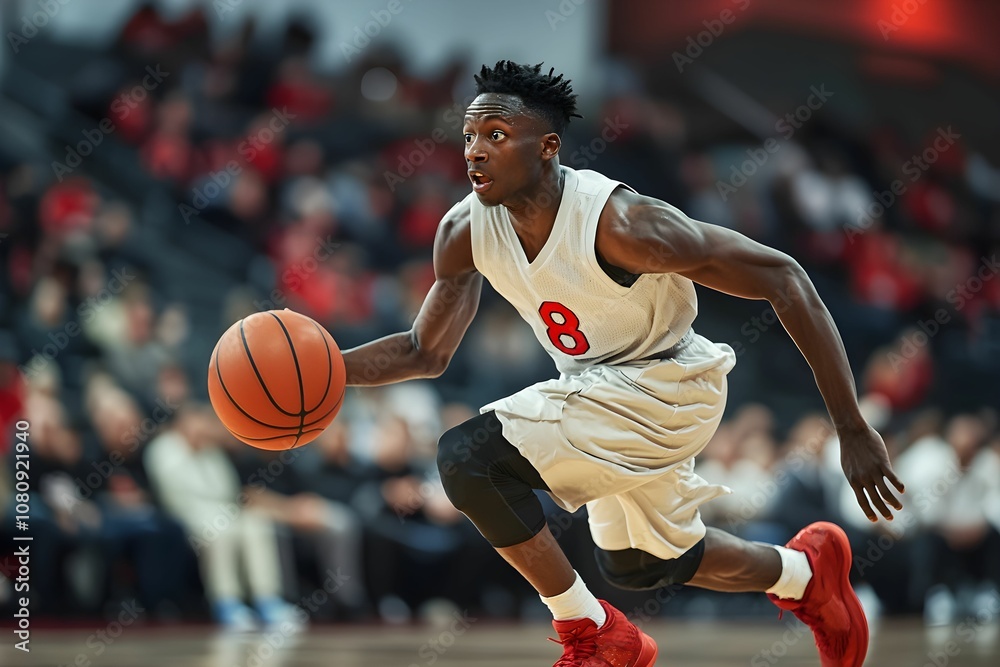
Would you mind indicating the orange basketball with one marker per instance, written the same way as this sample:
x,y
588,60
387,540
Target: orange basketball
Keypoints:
x,y
276,379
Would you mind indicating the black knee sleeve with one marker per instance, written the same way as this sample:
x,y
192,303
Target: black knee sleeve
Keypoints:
x,y
489,481
637,570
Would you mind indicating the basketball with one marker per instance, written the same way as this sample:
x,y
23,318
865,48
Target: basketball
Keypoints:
x,y
276,379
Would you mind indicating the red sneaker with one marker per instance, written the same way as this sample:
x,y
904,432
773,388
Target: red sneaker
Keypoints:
x,y
618,643
829,607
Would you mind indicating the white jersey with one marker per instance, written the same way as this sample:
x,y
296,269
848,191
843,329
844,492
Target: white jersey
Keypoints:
x,y
578,313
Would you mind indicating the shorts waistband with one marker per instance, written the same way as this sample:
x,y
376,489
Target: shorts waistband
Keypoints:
x,y
674,349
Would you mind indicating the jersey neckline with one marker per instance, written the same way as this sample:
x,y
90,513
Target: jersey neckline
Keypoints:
x,y
569,185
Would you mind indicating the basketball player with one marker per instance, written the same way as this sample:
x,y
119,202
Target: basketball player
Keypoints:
x,y
604,277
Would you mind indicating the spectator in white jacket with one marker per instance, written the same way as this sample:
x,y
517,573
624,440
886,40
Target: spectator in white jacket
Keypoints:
x,y
198,484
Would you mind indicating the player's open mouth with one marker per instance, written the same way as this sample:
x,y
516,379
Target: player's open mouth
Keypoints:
x,y
480,181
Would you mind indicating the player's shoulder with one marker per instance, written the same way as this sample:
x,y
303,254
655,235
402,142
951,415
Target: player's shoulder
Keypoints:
x,y
633,225
453,243
458,218
630,213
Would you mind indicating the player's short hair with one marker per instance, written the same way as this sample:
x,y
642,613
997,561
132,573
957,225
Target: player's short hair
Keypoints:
x,y
551,97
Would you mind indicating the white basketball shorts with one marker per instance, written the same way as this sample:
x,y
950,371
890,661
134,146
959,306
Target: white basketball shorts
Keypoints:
x,y
621,439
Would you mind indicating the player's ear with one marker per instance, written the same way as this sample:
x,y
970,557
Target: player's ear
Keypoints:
x,y
551,143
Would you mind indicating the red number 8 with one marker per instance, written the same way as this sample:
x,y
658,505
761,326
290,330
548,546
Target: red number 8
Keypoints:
x,y
570,326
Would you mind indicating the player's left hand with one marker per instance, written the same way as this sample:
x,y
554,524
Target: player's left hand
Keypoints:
x,y
866,466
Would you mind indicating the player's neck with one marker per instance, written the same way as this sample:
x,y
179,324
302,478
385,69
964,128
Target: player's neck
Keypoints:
x,y
535,210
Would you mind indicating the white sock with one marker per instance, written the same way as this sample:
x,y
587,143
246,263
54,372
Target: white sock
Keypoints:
x,y
795,574
577,602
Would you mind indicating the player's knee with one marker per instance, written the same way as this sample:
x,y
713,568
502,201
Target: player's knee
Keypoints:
x,y
457,466
636,570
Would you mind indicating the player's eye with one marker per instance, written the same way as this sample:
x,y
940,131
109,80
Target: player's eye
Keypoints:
x,y
497,135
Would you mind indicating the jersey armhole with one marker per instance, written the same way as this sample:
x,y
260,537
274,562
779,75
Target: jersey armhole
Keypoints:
x,y
476,231
590,240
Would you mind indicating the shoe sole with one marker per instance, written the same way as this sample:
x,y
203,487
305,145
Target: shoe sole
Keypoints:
x,y
647,656
842,550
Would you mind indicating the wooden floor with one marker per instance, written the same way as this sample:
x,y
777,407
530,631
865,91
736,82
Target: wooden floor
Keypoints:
x,y
784,643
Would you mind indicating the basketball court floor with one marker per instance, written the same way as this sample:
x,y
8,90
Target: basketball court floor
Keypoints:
x,y
778,643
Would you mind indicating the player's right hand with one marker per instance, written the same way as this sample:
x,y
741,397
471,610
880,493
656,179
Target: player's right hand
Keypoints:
x,y
866,465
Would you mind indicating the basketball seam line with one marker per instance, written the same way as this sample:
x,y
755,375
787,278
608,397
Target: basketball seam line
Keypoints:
x,y
329,359
222,383
298,374
287,435
260,379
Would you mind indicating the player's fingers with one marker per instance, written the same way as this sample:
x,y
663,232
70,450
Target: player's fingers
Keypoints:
x,y
859,493
878,502
895,480
888,495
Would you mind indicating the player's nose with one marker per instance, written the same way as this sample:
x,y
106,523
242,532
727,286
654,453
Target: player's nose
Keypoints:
x,y
474,153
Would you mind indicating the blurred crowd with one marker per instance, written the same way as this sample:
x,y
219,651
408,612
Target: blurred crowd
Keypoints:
x,y
287,187
940,555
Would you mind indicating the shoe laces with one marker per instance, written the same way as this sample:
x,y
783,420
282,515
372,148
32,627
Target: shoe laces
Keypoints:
x,y
577,644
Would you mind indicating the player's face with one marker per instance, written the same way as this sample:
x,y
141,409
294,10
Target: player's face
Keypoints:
x,y
503,147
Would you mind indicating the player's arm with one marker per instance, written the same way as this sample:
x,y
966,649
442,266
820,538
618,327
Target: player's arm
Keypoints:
x,y
644,235
426,349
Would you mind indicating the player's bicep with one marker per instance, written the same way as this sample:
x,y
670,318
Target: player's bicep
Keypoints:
x,y
453,242
655,237
728,261
446,314
453,299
